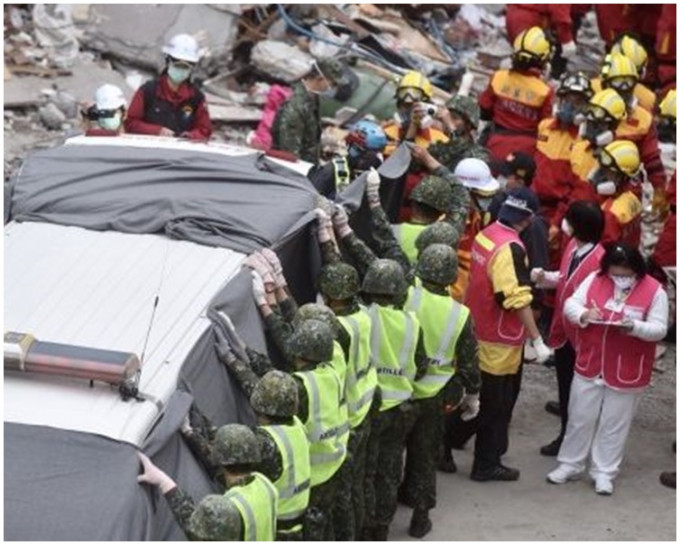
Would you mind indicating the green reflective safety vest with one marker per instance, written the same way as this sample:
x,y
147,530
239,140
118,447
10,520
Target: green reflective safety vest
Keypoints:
x,y
327,425
256,502
295,480
394,336
442,320
406,234
361,377
341,172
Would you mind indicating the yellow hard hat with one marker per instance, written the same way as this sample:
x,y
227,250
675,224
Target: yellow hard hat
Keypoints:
x,y
619,72
631,48
607,104
532,43
416,80
667,105
623,156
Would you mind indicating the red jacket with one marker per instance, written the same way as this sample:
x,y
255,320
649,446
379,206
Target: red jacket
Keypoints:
x,y
622,219
135,120
623,361
519,17
665,46
665,250
561,330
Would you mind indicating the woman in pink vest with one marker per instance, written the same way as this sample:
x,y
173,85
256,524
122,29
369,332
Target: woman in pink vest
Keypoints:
x,y
583,224
620,313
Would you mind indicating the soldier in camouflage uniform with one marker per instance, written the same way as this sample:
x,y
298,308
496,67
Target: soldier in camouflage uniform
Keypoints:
x,y
248,492
460,117
297,125
452,348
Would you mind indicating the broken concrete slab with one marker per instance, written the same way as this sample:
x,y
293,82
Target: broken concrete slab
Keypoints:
x,y
84,80
136,33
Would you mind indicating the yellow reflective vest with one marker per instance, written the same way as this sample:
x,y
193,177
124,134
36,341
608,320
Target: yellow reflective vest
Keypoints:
x,y
256,502
406,234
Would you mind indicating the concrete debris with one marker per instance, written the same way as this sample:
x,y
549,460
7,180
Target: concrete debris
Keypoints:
x,y
51,116
55,31
280,60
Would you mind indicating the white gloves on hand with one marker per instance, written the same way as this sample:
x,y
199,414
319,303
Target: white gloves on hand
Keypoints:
x,y
341,221
276,267
373,187
469,407
325,225
543,353
259,291
154,475
569,50
186,428
259,264
537,275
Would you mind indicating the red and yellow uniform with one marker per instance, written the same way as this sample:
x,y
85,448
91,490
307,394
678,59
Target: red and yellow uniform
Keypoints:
x,y
473,225
665,47
622,219
516,101
665,251
520,17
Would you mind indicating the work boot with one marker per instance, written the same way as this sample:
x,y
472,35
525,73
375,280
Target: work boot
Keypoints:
x,y
421,525
667,478
446,463
498,473
551,449
553,407
403,497
380,532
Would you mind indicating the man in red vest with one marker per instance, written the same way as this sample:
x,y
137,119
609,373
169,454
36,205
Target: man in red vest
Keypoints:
x,y
499,298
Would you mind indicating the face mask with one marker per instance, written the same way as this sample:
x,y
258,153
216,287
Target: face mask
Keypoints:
x,y
110,123
566,113
666,130
606,188
178,75
502,181
566,228
624,283
595,135
483,203
598,178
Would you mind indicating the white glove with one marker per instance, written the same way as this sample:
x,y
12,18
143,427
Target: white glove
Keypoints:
x,y
373,186
470,406
259,291
275,265
341,221
325,225
186,428
154,475
543,353
259,264
569,50
537,275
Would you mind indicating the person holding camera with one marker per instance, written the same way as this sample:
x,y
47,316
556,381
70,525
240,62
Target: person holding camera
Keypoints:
x,y
105,116
172,105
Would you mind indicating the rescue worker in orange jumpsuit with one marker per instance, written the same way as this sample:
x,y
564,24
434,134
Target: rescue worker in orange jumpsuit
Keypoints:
x,y
555,19
517,99
664,48
414,95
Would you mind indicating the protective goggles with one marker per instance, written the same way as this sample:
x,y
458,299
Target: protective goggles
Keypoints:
x,y
410,93
622,84
608,162
597,113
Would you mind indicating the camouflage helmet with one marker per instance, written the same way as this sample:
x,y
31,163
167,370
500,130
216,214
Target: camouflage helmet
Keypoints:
x,y
434,192
216,518
235,444
312,341
438,263
338,281
439,232
466,107
275,394
384,277
317,311
333,70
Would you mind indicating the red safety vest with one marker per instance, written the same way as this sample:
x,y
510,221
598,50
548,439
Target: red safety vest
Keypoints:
x,y
561,329
493,323
622,360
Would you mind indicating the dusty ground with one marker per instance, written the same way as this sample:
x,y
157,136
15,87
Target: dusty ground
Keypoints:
x,y
531,509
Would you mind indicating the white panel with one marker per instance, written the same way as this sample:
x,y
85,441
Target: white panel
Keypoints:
x,y
74,286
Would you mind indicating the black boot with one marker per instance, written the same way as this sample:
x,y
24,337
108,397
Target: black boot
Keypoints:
x,y
421,525
446,463
667,478
551,449
403,497
553,407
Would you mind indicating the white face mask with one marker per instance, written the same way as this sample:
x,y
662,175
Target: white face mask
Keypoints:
x,y
624,283
606,188
502,181
566,228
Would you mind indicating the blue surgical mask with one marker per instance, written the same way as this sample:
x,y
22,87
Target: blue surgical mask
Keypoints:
x,y
110,123
566,113
178,75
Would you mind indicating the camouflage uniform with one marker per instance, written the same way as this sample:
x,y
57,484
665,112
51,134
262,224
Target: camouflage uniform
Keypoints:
x,y
456,149
214,519
297,125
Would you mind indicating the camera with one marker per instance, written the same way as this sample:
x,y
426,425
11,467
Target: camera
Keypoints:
x,y
430,109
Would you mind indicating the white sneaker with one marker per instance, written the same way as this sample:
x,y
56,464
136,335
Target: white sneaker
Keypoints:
x,y
562,474
604,486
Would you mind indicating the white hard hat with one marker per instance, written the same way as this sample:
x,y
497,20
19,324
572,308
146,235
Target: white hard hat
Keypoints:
x,y
183,47
475,174
109,97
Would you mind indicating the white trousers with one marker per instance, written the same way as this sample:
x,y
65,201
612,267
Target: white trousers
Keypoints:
x,y
599,422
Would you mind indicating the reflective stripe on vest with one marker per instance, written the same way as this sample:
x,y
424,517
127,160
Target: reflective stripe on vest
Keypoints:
x,y
406,234
361,378
340,173
294,482
393,347
434,313
327,424
256,502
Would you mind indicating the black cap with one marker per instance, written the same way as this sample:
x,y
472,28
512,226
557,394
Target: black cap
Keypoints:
x,y
520,204
520,164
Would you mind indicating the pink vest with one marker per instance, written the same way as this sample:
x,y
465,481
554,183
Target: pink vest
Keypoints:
x,y
561,329
493,323
623,361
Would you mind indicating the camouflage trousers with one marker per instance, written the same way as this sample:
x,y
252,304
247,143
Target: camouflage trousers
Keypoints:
x,y
383,466
423,440
318,524
349,510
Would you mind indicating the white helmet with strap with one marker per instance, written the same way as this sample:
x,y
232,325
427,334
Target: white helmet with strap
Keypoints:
x,y
109,97
476,175
183,47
